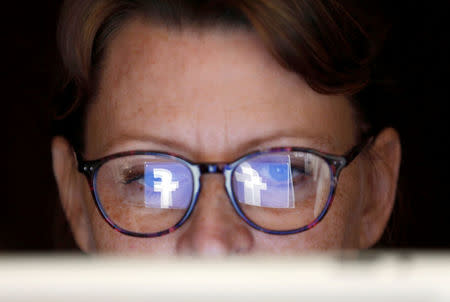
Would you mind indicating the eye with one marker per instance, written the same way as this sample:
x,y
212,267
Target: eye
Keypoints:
x,y
132,175
279,172
147,178
299,175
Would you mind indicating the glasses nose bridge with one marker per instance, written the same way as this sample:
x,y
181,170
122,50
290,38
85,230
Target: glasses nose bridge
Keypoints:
x,y
217,168
207,168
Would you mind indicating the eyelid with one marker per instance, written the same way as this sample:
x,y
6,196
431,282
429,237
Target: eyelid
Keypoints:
x,y
132,173
325,143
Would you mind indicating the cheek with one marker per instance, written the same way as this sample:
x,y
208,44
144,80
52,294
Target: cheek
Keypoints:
x,y
348,204
104,237
327,235
109,240
340,228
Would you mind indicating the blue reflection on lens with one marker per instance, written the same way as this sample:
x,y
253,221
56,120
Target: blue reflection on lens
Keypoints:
x,y
279,172
150,179
172,191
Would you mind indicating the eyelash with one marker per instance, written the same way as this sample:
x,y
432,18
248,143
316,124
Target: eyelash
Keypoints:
x,y
298,174
302,174
131,175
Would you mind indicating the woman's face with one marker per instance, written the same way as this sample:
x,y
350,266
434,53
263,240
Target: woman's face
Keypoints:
x,y
212,95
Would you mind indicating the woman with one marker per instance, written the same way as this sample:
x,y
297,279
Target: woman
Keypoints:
x,y
220,127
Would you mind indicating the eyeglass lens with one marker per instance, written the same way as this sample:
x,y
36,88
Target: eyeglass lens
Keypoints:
x,y
144,193
282,191
150,193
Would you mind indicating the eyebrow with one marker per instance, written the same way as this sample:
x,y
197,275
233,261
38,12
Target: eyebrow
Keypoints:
x,y
320,143
157,140
316,142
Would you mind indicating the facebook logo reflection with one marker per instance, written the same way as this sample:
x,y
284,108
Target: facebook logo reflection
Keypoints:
x,y
167,186
252,184
265,182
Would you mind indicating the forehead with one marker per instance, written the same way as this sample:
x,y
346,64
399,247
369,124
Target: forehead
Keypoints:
x,y
206,93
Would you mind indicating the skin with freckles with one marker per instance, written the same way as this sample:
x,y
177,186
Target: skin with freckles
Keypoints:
x,y
213,95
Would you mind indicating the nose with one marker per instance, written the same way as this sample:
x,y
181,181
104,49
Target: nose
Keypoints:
x,y
214,228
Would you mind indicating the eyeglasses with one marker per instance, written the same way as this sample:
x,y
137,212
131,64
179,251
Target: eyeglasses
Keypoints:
x,y
277,191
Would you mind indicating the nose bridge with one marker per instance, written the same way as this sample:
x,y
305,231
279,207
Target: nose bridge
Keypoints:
x,y
214,227
217,168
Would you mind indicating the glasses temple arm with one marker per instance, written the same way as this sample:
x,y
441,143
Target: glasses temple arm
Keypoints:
x,y
355,151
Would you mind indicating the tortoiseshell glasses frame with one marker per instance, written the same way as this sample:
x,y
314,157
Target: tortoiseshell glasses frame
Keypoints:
x,y
335,163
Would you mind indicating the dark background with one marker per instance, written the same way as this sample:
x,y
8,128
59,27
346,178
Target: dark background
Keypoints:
x,y
415,56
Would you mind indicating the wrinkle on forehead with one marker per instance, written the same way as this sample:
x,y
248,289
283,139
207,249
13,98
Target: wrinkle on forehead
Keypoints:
x,y
208,90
